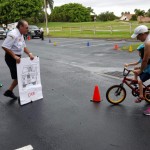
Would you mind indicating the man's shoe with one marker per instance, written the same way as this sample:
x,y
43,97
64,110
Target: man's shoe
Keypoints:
x,y
147,112
9,93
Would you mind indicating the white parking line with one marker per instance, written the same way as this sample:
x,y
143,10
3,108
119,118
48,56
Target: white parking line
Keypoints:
x,y
28,147
109,76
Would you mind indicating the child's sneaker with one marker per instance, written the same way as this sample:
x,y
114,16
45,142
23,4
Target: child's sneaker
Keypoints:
x,y
147,112
139,100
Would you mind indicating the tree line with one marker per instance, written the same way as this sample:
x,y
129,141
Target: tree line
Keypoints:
x,y
33,12
139,12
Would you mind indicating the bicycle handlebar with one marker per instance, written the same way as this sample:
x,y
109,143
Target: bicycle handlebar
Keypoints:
x,y
126,73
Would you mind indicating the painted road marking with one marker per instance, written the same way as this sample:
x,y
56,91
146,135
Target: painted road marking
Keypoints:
x,y
110,76
28,147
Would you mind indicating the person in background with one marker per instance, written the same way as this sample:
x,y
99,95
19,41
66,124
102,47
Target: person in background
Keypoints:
x,y
42,33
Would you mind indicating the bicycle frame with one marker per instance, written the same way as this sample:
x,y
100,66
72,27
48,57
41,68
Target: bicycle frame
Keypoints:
x,y
128,82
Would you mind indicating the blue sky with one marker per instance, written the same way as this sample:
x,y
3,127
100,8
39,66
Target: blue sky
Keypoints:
x,y
116,6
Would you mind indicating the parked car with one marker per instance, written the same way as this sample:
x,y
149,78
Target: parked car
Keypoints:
x,y
34,31
2,33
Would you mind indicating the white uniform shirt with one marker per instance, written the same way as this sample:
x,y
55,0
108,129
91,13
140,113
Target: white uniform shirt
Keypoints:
x,y
41,30
14,42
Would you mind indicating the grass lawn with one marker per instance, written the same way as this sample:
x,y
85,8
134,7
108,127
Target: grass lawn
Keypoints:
x,y
105,30
109,29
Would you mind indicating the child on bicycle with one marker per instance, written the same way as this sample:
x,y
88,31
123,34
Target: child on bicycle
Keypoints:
x,y
144,76
139,49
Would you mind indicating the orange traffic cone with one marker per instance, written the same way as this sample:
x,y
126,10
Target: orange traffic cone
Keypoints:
x,y
116,47
28,37
96,95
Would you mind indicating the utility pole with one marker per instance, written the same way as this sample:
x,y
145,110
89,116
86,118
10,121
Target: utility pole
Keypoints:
x,y
46,16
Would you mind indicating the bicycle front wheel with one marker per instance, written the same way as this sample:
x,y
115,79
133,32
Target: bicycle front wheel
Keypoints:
x,y
147,94
116,94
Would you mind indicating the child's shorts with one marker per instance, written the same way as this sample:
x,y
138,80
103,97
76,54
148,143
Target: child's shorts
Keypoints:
x,y
144,76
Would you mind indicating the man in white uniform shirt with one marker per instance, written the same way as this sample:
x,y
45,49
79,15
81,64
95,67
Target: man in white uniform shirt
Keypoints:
x,y
42,33
14,46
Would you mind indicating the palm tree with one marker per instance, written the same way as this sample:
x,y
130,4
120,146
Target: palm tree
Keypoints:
x,y
139,12
46,3
148,13
122,13
50,3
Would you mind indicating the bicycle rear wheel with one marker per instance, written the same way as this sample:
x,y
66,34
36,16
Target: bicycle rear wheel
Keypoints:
x,y
147,94
116,94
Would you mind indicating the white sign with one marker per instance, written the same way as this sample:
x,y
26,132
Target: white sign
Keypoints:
x,y
29,80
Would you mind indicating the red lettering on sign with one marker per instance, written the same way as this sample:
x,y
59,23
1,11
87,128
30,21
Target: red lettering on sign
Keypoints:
x,y
31,94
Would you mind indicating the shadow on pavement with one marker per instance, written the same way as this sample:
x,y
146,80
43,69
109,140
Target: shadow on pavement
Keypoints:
x,y
11,102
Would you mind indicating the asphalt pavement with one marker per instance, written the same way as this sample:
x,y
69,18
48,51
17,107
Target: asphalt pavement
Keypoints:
x,y
65,119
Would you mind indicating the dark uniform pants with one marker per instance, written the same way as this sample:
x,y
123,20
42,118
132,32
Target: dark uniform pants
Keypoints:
x,y
11,63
